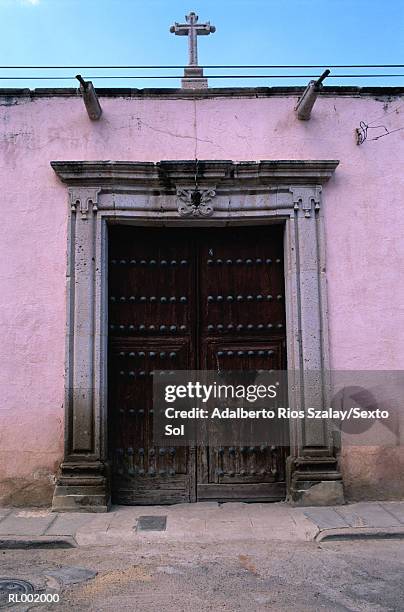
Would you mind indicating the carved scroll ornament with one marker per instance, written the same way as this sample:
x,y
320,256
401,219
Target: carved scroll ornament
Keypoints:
x,y
195,202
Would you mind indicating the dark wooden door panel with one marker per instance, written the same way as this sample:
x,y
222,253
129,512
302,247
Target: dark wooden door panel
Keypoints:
x,y
242,327
190,299
245,463
139,467
151,283
241,283
152,295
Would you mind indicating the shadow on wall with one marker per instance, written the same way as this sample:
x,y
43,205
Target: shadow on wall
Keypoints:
x,y
36,491
373,472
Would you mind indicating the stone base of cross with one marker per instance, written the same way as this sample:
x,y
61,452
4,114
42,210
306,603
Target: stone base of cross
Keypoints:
x,y
193,78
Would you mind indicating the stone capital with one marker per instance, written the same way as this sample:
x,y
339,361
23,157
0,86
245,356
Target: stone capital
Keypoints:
x,y
84,200
306,200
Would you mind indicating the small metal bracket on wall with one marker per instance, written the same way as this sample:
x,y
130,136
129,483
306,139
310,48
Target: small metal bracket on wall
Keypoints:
x,y
90,98
306,102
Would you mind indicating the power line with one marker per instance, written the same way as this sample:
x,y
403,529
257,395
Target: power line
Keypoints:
x,y
208,76
216,66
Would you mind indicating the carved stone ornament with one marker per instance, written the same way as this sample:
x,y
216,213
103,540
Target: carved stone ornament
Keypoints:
x,y
306,201
84,200
195,202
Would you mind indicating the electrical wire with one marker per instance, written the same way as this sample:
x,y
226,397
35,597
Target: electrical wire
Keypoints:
x,y
230,66
207,76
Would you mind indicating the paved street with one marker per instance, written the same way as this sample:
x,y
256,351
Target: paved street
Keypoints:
x,y
234,576
211,557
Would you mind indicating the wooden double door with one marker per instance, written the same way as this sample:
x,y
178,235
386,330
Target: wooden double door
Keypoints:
x,y
190,299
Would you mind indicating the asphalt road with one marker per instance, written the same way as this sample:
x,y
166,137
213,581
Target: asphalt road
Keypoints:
x,y
245,575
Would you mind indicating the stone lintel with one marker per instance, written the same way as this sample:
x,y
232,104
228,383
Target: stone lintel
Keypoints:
x,y
165,175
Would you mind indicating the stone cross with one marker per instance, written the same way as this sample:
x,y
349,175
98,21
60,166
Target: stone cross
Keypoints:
x,y
193,74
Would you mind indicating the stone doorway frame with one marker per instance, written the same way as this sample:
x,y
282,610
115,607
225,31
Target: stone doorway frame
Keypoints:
x,y
162,194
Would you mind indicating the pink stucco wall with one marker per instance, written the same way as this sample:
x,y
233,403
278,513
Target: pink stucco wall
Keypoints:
x,y
365,248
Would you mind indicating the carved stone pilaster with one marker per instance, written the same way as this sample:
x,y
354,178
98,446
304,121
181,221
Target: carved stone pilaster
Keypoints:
x,y
81,481
314,478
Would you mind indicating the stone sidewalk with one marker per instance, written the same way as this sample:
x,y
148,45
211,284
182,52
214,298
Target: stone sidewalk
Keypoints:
x,y
202,522
360,520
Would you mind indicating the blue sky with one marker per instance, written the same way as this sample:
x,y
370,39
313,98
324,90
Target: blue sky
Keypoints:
x,y
107,32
